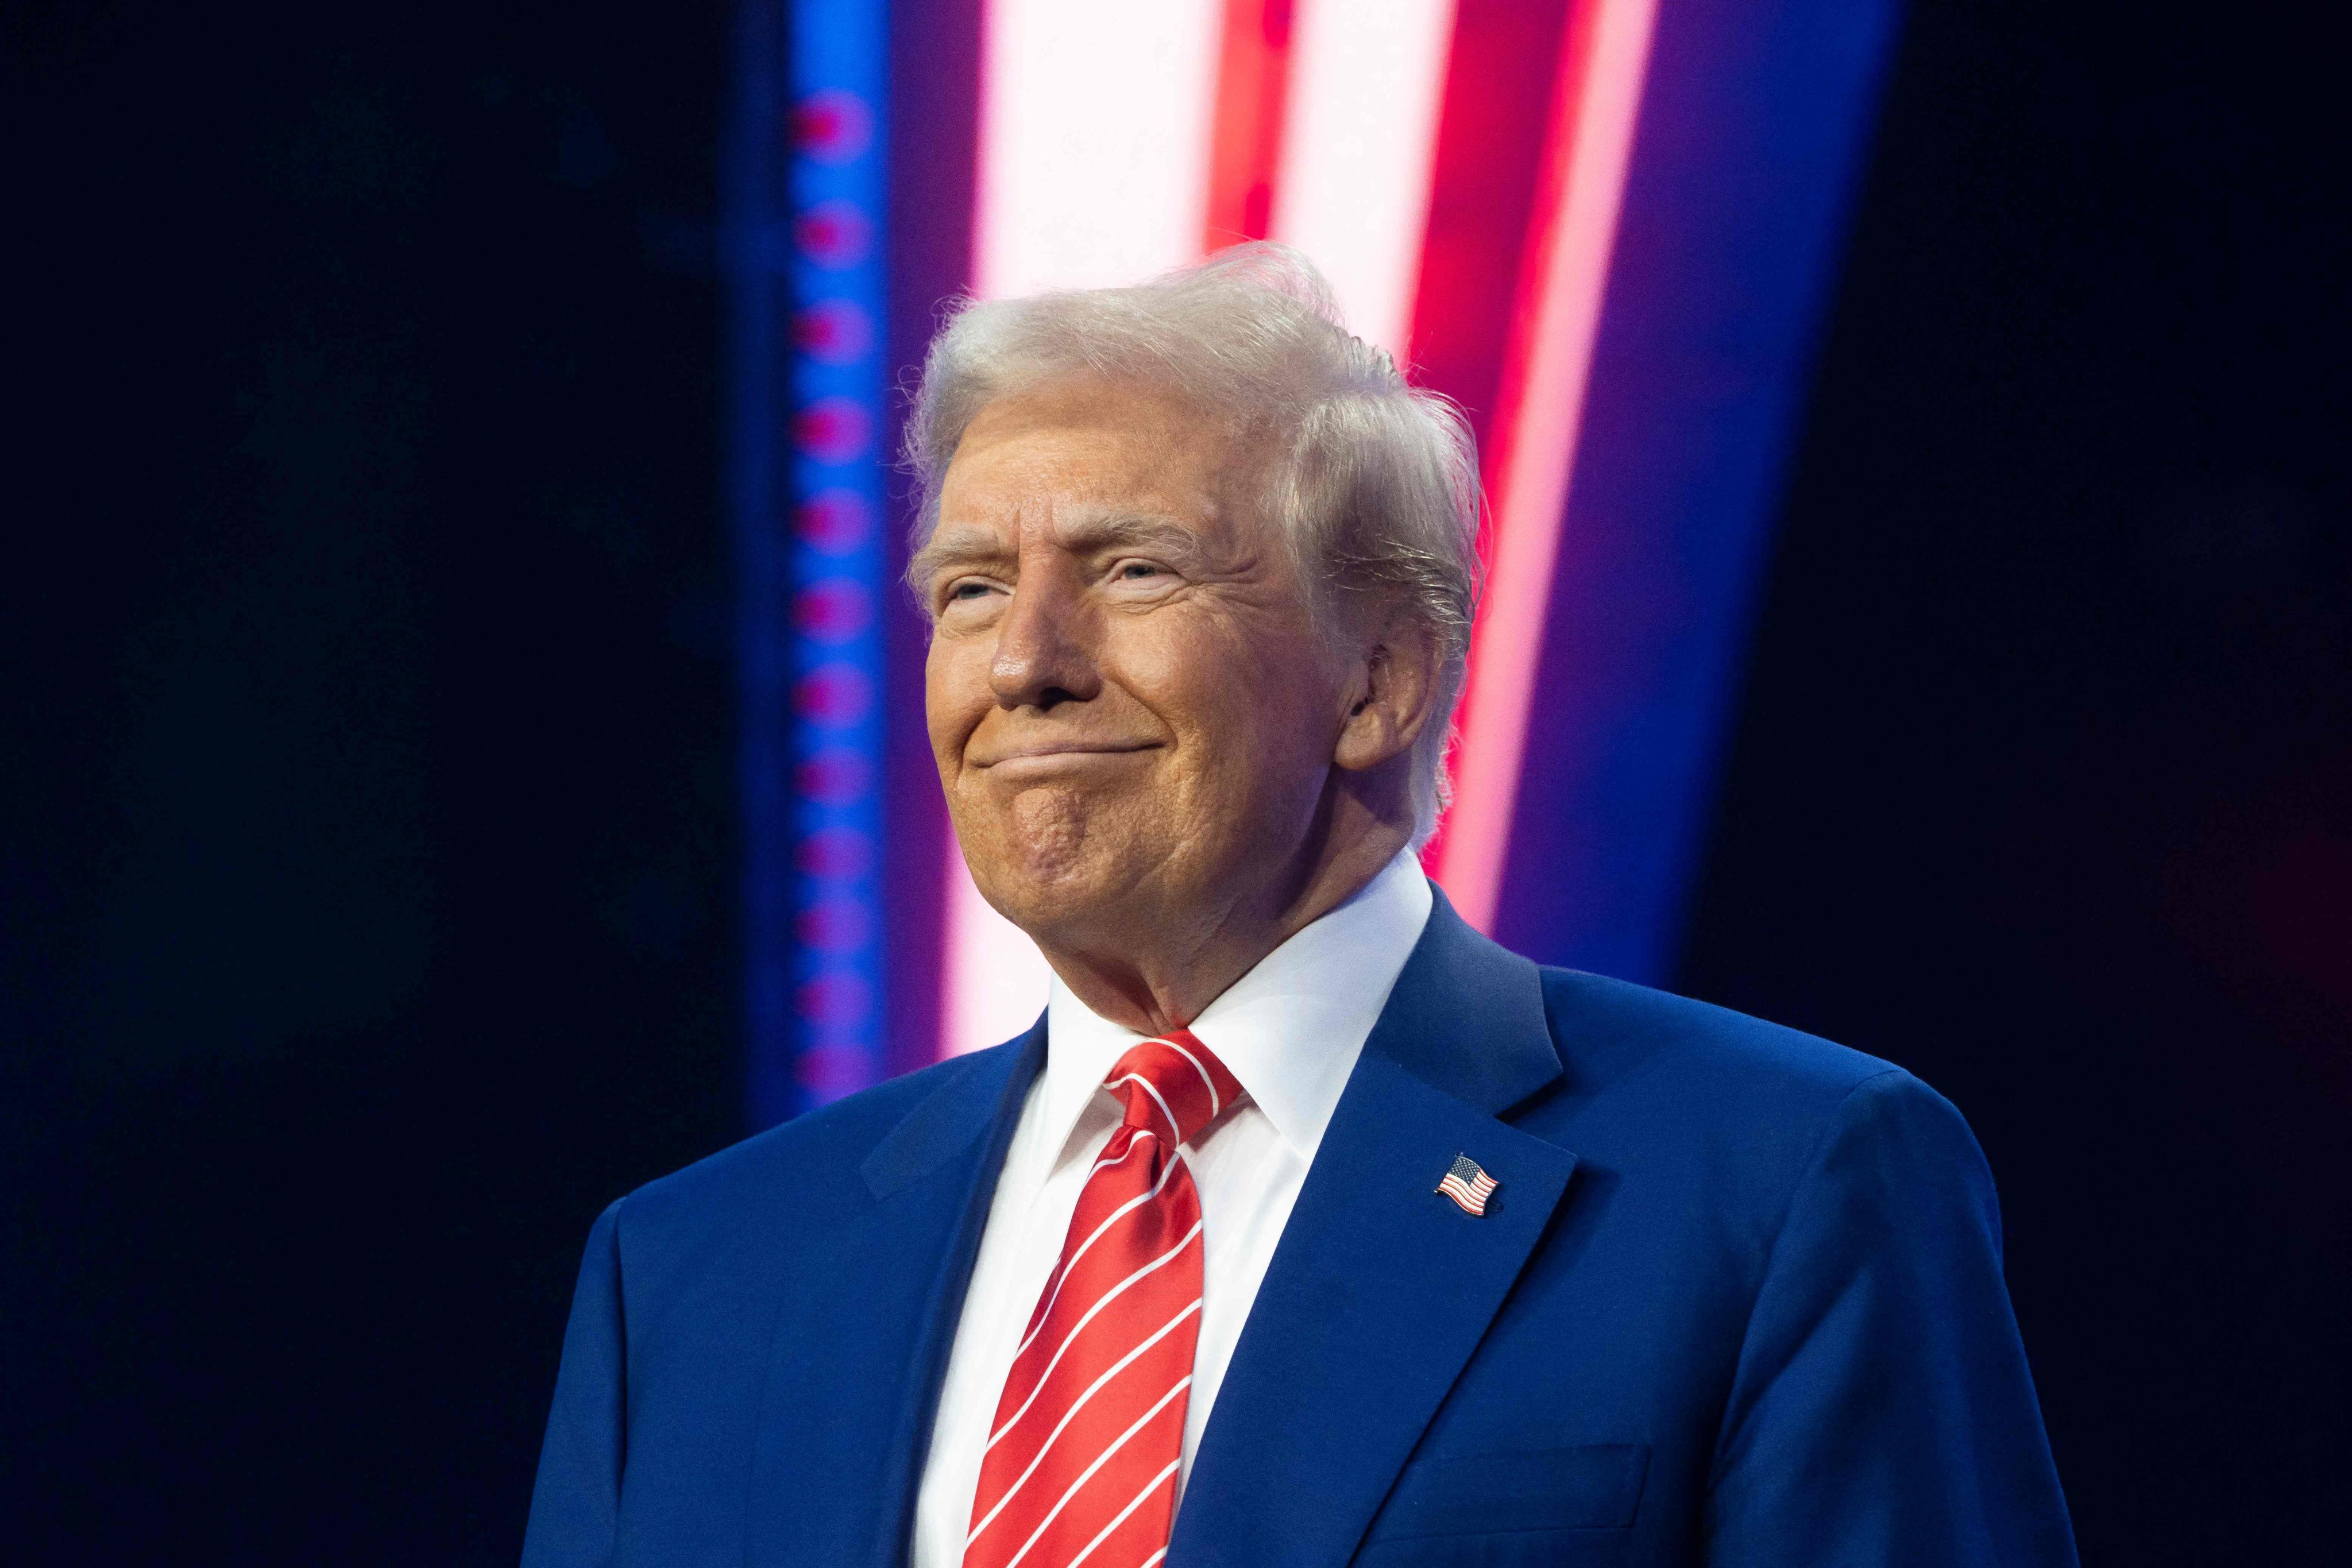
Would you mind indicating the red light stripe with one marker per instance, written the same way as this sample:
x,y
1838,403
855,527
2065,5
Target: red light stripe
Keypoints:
x,y
1489,161
1595,98
1246,147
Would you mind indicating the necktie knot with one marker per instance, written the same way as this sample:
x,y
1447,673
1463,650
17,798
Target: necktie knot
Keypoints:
x,y
1172,1086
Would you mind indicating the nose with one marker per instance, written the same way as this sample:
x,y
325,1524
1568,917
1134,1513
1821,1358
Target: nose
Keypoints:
x,y
1045,646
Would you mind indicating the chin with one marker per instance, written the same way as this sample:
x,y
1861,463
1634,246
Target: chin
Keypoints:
x,y
1051,864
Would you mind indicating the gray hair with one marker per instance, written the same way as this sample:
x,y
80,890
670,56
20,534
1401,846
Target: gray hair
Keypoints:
x,y
1373,483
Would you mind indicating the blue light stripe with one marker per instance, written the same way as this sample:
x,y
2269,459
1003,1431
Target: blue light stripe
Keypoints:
x,y
803,236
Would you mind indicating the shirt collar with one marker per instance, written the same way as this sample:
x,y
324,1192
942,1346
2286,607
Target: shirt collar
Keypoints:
x,y
1290,1029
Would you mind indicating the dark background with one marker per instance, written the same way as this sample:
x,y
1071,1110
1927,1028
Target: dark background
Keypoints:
x,y
366,862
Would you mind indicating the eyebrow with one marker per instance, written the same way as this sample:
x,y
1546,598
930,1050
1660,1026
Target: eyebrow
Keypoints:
x,y
1141,530
953,547
966,546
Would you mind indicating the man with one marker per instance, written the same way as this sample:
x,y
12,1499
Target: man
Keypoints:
x,y
1308,1227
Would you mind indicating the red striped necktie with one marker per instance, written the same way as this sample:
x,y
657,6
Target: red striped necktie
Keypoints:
x,y
1082,1457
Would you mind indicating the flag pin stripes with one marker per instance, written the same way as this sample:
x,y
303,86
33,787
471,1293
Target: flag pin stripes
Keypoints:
x,y
1467,1184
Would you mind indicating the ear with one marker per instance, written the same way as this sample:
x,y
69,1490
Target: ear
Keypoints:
x,y
1391,697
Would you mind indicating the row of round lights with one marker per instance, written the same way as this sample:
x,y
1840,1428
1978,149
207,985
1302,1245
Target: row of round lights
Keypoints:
x,y
836,496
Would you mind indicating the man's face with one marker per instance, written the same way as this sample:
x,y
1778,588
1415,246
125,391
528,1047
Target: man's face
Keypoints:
x,y
1132,711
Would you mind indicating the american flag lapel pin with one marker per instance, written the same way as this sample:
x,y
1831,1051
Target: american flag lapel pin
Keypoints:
x,y
1467,1184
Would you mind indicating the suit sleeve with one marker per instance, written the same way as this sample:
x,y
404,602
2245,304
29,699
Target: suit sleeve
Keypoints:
x,y
575,1507
1882,1411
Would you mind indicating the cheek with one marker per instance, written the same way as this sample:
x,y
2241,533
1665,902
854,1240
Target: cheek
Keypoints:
x,y
1256,698
955,690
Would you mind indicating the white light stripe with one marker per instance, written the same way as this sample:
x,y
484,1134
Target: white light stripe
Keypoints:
x,y
1154,1558
1093,169
1175,1127
1071,1337
1072,1414
1590,145
1100,1460
1135,1504
1094,141
1216,1103
1062,1272
1359,140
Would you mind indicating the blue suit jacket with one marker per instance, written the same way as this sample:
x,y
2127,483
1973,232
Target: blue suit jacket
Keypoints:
x,y
1738,1300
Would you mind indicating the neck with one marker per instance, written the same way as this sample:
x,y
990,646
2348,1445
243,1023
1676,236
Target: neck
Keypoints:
x,y
1154,987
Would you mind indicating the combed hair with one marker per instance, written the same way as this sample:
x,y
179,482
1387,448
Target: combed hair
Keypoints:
x,y
1373,483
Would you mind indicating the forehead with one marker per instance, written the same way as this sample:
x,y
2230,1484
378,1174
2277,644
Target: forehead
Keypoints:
x,y
1085,446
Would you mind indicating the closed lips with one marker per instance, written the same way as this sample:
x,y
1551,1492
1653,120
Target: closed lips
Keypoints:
x,y
1041,748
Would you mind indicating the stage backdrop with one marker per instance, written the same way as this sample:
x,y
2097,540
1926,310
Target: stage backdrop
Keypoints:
x,y
1601,226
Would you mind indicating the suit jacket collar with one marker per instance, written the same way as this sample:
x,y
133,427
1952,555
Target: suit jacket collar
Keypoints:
x,y
1381,1288
1467,1017
983,1098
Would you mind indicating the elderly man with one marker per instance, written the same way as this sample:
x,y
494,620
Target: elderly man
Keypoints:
x,y
1307,1227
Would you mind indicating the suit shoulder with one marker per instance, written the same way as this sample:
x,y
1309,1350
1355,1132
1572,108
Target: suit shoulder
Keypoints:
x,y
800,1162
1743,1109
1628,1048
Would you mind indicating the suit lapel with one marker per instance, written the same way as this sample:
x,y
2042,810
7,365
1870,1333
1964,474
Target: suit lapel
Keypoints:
x,y
1381,1288
861,1344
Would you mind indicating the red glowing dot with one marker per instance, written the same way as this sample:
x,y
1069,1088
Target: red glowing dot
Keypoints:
x,y
833,610
832,126
834,1000
831,430
834,694
833,331
834,777
836,925
834,522
834,234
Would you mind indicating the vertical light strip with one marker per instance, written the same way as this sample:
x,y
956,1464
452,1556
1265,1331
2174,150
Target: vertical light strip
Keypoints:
x,y
1094,141
1246,146
1597,97
839,569
1095,135
1367,79
803,216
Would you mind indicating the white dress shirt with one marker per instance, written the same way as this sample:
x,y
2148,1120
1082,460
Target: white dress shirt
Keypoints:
x,y
1290,1030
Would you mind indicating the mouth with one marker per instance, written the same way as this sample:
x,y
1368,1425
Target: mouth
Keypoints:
x,y
1046,756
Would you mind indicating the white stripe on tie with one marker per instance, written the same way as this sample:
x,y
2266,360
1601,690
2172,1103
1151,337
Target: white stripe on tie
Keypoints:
x,y
1130,1508
1216,1102
1088,1474
1175,1127
1071,1414
1071,1337
1062,1274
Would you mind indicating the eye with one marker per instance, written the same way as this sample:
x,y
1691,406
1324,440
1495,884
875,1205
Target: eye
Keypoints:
x,y
966,591
1138,571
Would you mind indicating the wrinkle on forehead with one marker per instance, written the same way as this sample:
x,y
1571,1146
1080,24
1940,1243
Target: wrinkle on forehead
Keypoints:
x,y
1088,466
